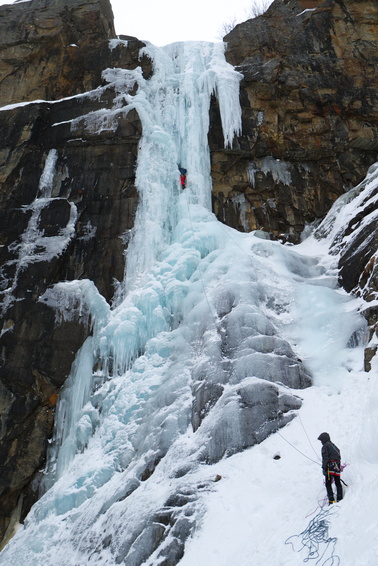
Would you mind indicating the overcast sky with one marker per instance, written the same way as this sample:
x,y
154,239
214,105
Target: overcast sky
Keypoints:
x,y
166,21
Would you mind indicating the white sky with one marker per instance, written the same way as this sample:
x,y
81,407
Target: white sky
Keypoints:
x,y
166,21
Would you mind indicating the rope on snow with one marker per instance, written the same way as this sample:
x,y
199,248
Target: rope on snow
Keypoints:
x,y
316,541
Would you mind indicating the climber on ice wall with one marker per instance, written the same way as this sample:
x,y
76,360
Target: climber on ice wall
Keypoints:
x,y
182,177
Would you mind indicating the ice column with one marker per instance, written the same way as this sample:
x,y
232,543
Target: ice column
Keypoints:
x,y
174,109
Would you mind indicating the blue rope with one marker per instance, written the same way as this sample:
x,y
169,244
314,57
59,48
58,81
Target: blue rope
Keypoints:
x,y
315,540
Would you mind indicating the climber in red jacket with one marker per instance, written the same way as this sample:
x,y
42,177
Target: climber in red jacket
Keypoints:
x,y
182,177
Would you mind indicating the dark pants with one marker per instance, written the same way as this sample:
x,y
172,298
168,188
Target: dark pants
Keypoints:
x,y
339,487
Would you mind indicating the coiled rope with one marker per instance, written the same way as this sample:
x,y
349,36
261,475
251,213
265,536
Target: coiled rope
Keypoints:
x,y
316,541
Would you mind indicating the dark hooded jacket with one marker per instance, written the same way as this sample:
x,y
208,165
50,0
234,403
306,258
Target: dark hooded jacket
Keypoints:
x,y
330,452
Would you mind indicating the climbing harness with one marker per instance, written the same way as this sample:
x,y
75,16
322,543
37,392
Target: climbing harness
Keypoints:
x,y
333,469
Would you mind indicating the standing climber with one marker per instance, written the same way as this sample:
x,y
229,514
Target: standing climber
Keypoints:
x,y
331,463
182,177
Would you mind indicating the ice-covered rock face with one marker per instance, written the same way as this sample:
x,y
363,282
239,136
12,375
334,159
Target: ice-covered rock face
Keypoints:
x,y
197,358
351,227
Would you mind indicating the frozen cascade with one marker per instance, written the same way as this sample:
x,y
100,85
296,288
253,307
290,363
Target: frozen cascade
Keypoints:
x,y
174,109
182,370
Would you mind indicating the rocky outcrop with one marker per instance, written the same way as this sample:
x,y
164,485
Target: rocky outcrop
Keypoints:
x,y
67,202
50,49
309,101
356,244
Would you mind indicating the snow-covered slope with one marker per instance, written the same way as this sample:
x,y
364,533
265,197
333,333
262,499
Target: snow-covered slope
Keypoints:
x,y
270,506
208,349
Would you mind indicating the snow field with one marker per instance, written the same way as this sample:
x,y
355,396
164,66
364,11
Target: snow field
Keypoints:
x,y
261,502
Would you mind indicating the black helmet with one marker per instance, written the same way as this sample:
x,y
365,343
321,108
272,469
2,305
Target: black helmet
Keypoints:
x,y
324,437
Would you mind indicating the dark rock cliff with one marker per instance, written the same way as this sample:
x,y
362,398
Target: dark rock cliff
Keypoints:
x,y
310,110
53,51
309,101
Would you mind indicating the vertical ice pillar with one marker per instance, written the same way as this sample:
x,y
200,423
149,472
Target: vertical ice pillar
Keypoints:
x,y
72,426
174,109
47,177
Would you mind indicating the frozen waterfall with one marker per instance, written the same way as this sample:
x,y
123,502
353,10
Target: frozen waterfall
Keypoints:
x,y
202,355
174,109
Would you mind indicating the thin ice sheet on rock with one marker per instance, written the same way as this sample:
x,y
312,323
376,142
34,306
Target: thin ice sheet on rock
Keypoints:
x,y
39,243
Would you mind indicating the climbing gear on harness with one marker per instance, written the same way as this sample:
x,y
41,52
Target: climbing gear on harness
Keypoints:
x,y
333,468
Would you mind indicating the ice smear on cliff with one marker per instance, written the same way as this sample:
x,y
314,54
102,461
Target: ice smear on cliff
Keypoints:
x,y
47,177
279,170
35,245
